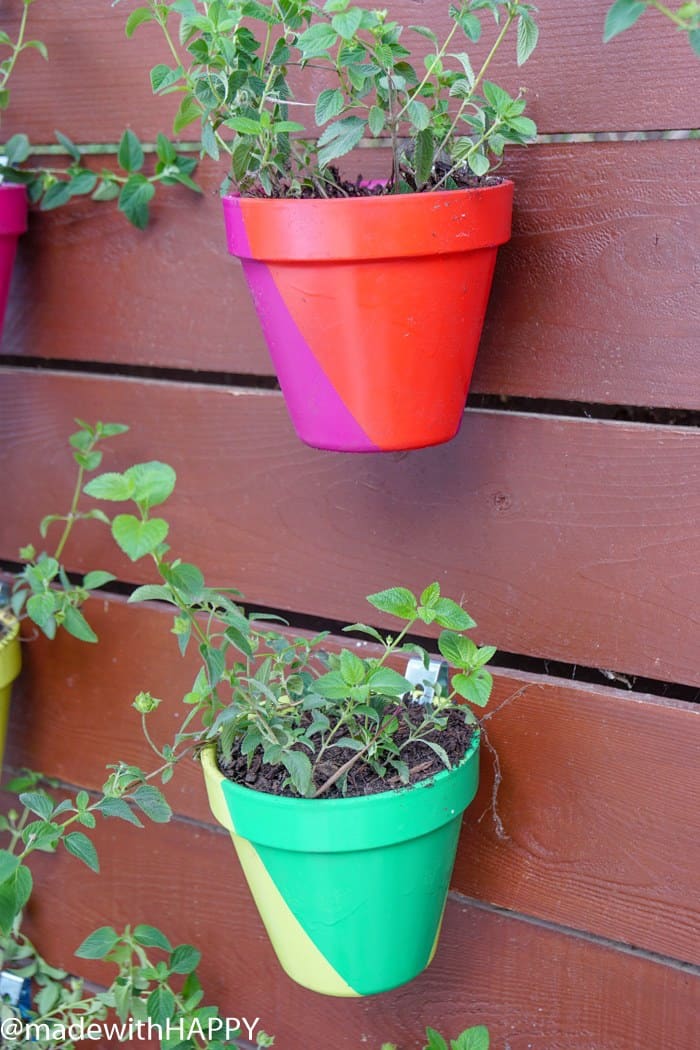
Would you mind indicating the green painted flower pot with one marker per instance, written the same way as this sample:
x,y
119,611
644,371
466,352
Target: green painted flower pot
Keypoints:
x,y
10,664
351,891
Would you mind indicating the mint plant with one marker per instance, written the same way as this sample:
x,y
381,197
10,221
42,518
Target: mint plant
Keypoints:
x,y
229,64
685,17
288,702
51,187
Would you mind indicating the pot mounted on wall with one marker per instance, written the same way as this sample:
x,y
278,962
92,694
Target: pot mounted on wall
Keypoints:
x,y
13,222
10,665
351,890
372,307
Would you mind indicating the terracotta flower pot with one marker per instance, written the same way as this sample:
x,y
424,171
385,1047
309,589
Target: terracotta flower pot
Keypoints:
x,y
351,890
372,307
13,222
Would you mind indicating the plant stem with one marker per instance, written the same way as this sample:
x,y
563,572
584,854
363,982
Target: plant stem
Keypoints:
x,y
675,18
16,48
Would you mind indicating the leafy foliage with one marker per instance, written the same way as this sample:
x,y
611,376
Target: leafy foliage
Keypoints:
x,y
470,1039
145,988
625,13
286,699
52,187
42,590
229,63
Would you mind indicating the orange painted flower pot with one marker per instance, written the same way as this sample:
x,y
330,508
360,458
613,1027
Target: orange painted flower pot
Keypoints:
x,y
372,307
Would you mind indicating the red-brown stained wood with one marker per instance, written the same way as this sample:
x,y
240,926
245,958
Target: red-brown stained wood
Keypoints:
x,y
97,82
569,539
536,988
592,299
599,795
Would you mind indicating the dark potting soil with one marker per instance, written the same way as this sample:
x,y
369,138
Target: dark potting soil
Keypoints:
x,y
422,762
337,186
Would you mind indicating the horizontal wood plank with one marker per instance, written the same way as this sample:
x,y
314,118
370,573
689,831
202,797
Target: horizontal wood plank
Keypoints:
x,y
591,302
599,795
536,988
569,539
97,82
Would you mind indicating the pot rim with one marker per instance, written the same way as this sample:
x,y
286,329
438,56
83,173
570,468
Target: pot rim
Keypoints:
x,y
397,199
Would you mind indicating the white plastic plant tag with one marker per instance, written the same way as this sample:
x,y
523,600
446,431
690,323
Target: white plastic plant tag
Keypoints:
x,y
427,677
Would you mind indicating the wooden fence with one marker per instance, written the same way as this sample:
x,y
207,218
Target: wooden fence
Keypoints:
x,y
568,519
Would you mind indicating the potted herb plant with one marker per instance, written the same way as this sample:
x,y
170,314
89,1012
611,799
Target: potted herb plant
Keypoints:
x,y
342,784
51,187
371,294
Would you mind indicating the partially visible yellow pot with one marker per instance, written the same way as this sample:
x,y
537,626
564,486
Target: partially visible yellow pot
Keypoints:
x,y
10,664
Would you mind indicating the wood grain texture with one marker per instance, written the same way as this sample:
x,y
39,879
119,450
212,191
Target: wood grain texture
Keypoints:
x,y
536,988
626,87
599,796
592,301
569,539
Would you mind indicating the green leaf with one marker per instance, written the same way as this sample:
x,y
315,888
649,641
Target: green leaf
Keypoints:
x,y
419,115
451,615
331,686
137,18
298,765
97,578
472,1039
496,96
524,126
457,650
397,601
81,847
98,944
475,687
37,802
163,77
15,891
352,669
114,487
622,15
150,937
8,865
528,35
694,38
76,624
137,538
376,120
152,802
184,959
386,680
118,808
151,592
188,112
151,483
68,145
82,183
39,46
134,198
16,149
424,156
435,1040
130,155
339,138
161,1005
330,104
56,195
347,23
106,191
188,580
317,40
40,609
245,125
